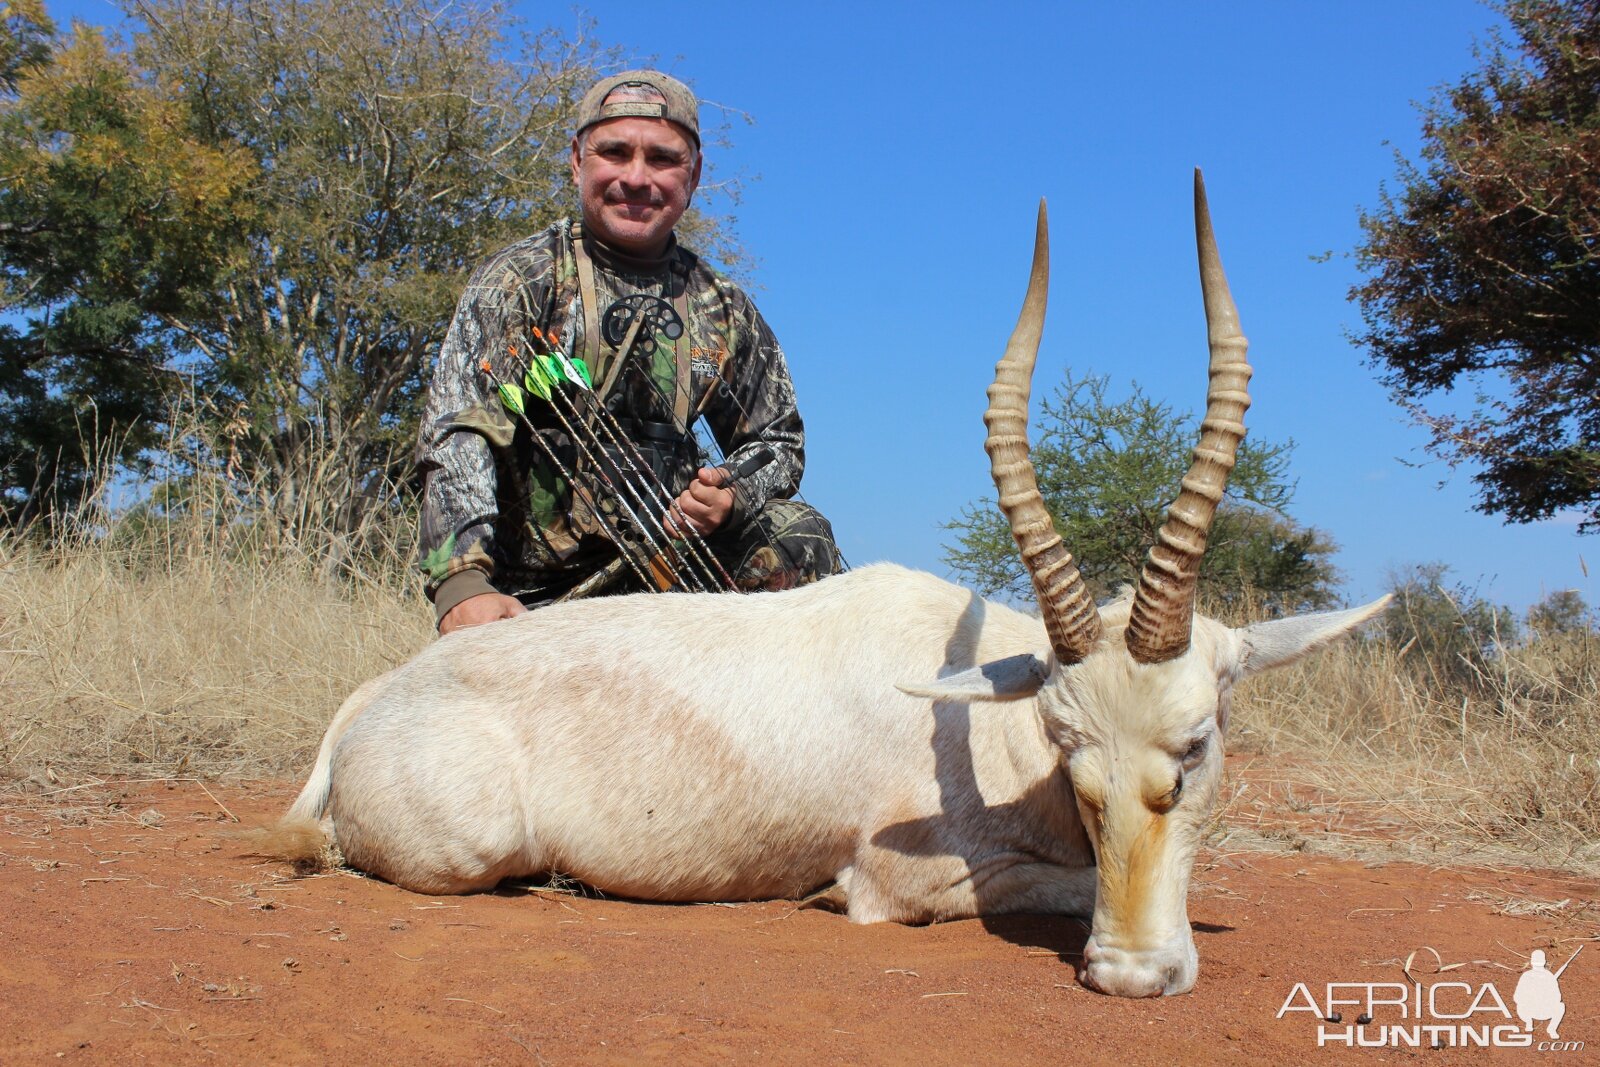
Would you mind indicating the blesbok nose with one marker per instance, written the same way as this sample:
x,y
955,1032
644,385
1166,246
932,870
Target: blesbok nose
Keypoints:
x,y
1161,972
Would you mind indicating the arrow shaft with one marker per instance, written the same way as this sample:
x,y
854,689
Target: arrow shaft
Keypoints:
x,y
699,551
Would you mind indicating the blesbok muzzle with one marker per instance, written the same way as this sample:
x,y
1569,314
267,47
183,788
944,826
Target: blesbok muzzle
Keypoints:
x,y
1140,944
1162,971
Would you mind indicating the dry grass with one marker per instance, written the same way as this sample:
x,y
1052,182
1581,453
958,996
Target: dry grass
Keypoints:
x,y
162,648
149,648
1387,755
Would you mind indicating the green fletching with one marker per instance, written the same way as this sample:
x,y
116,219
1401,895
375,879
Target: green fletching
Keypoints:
x,y
551,368
537,381
575,371
511,397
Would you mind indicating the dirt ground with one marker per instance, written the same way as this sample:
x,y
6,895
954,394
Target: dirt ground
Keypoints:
x,y
132,933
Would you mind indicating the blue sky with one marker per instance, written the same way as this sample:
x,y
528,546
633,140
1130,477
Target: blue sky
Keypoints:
x,y
899,151
891,173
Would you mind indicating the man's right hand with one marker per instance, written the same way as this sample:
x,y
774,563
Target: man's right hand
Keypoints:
x,y
477,610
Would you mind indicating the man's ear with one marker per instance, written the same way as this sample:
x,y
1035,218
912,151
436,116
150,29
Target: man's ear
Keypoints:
x,y
694,178
577,158
1012,678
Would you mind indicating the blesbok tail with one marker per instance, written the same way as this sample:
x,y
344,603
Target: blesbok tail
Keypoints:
x,y
302,842
300,836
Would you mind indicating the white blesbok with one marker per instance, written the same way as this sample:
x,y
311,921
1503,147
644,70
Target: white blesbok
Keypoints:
x,y
714,747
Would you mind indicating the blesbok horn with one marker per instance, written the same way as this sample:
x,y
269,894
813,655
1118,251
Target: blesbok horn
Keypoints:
x,y
1163,605
1069,613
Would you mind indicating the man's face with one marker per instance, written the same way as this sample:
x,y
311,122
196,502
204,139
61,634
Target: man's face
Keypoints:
x,y
635,177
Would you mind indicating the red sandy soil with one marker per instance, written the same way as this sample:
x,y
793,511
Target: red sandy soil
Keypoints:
x,y
133,933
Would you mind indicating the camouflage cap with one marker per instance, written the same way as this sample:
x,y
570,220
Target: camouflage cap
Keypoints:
x,y
680,104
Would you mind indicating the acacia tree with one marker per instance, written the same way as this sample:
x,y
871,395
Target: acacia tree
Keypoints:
x,y
392,150
1108,469
1562,611
293,195
1449,632
113,218
25,33
1483,268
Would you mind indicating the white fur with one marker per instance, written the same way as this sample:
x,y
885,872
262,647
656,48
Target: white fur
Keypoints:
x,y
717,747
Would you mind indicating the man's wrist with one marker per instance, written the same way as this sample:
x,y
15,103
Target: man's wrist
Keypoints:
x,y
740,507
463,585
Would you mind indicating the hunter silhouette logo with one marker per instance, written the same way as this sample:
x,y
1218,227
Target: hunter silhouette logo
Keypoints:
x,y
1538,995
1447,1013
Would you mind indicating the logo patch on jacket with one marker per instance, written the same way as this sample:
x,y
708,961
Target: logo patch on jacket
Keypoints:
x,y
706,362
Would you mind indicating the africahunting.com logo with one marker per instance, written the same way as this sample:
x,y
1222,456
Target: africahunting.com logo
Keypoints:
x,y
1427,1012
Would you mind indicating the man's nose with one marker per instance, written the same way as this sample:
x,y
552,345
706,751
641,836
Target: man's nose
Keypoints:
x,y
634,171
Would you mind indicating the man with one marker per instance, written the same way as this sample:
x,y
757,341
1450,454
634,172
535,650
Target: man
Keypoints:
x,y
502,528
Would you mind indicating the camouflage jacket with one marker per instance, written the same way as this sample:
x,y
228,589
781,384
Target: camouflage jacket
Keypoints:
x,y
496,515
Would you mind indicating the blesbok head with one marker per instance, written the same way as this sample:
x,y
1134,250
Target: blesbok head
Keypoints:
x,y
1136,694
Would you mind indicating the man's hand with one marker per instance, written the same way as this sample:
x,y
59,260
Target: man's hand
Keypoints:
x,y
477,610
705,504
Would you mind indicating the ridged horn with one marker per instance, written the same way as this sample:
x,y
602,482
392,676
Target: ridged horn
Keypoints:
x,y
1163,606
1069,613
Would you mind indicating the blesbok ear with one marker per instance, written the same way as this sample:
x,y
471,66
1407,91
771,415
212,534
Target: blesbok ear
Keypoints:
x,y
1012,678
1265,645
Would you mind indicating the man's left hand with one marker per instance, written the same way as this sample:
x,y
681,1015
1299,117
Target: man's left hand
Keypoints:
x,y
705,504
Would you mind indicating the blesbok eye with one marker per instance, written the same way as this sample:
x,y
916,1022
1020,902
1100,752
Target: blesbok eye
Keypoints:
x,y
1195,752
